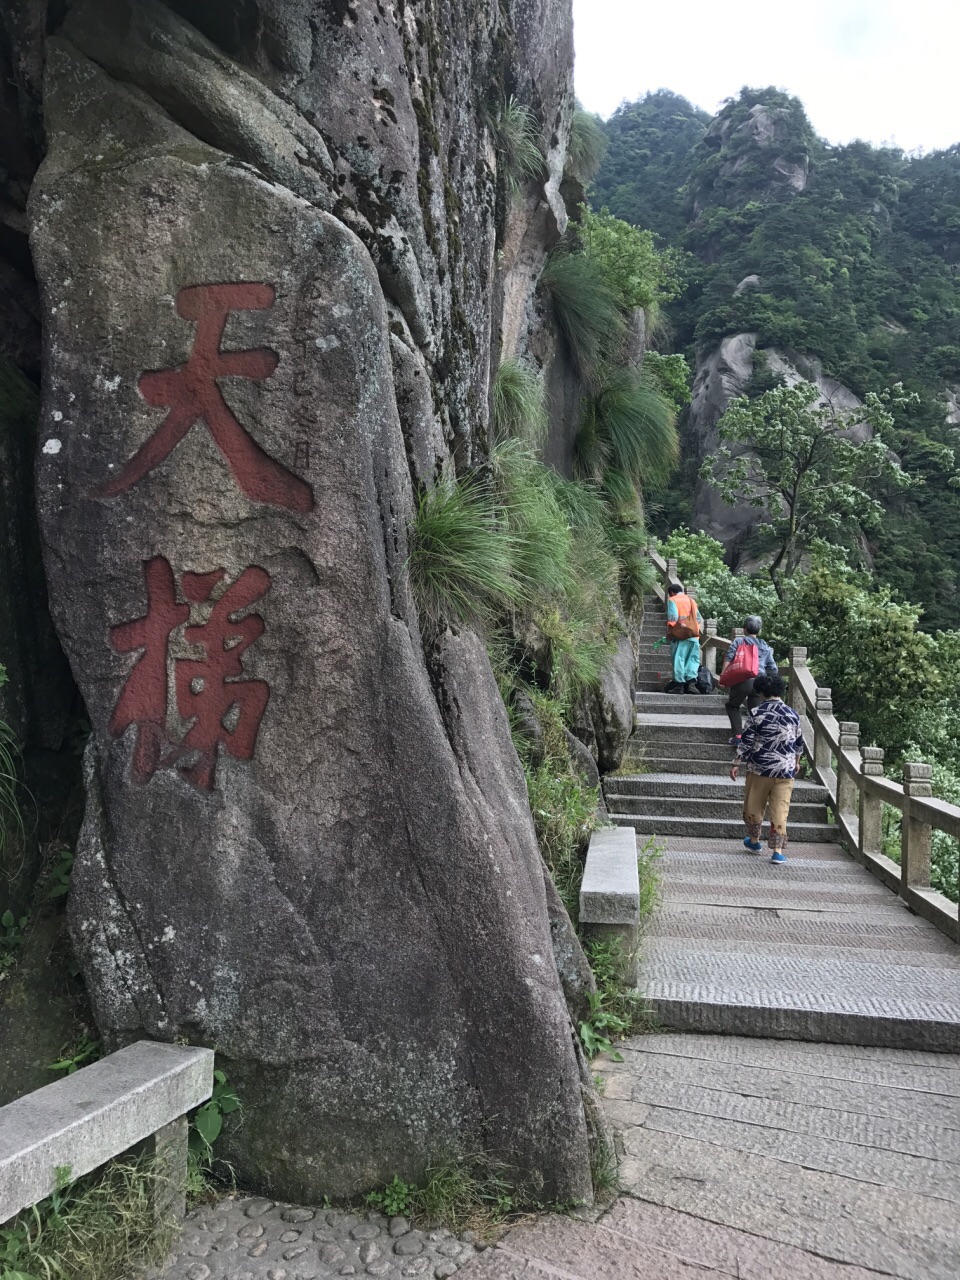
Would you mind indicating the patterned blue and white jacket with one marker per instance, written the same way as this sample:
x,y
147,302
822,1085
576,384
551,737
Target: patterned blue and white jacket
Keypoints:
x,y
771,740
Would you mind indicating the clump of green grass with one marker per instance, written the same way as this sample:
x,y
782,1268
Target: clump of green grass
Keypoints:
x,y
517,404
517,135
461,556
629,426
588,145
102,1227
587,311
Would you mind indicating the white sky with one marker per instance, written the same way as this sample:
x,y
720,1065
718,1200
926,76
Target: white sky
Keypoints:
x,y
881,70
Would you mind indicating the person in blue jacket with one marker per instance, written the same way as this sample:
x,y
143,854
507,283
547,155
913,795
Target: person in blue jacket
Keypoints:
x,y
738,694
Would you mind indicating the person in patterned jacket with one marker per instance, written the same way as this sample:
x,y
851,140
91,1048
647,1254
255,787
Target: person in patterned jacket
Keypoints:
x,y
770,751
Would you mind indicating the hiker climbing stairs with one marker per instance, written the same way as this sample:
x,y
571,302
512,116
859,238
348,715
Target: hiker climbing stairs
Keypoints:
x,y
816,949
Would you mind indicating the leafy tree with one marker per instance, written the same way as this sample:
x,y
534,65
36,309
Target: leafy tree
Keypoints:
x,y
639,273
798,465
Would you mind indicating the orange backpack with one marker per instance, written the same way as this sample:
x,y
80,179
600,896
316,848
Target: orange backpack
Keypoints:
x,y
686,627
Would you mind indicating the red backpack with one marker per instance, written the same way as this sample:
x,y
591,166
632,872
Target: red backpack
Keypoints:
x,y
745,664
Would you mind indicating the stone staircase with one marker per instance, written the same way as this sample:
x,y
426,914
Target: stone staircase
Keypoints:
x,y
679,735
816,949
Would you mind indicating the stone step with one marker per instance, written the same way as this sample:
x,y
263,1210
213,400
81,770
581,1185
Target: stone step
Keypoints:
x,y
663,753
711,703
685,727
702,768
717,828
680,783
686,807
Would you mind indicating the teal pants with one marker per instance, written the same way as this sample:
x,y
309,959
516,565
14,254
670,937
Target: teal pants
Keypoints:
x,y
686,659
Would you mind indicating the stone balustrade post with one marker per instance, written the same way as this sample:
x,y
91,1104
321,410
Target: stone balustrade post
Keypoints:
x,y
737,631
710,654
915,836
847,788
871,807
798,659
821,745
671,576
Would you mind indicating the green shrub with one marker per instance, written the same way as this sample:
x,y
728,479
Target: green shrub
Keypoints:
x,y
587,310
461,556
517,407
588,145
697,554
636,271
517,136
671,375
629,426
732,597
564,816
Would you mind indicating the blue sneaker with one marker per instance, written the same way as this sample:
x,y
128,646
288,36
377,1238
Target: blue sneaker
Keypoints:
x,y
777,856
748,844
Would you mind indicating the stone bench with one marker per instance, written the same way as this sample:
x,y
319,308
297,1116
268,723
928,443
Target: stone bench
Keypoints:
x,y
610,893
140,1094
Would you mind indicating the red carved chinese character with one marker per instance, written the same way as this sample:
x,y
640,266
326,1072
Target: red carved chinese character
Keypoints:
x,y
143,699
210,689
191,392
211,692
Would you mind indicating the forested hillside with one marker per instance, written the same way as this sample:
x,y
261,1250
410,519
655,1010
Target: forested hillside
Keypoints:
x,y
846,254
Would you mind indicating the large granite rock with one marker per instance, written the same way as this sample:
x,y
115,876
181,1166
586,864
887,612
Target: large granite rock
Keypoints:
x,y
307,840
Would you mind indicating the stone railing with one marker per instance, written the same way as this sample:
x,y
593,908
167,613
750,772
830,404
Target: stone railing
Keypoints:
x,y
855,785
137,1098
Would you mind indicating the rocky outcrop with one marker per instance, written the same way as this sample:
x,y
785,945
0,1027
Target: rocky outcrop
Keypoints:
x,y
721,375
266,244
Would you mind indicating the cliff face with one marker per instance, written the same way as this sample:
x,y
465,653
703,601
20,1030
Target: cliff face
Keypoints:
x,y
267,253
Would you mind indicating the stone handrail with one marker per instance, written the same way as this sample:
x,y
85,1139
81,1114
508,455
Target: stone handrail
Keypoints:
x,y
140,1094
857,792
853,778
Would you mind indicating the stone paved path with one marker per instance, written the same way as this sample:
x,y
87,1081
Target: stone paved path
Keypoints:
x,y
256,1239
765,1158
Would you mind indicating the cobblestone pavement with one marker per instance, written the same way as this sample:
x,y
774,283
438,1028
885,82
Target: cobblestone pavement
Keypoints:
x,y
255,1239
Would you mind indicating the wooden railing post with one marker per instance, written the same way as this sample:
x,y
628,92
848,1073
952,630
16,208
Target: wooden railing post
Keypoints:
x,y
798,659
710,650
915,836
871,807
821,743
847,789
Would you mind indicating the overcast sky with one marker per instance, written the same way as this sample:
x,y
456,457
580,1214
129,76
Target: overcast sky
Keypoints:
x,y
882,70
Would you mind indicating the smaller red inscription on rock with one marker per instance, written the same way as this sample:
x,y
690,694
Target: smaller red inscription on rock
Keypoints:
x,y
191,392
225,708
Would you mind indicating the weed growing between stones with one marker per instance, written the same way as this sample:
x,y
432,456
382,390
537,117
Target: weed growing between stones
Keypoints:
x,y
463,1192
605,1172
206,1173
104,1226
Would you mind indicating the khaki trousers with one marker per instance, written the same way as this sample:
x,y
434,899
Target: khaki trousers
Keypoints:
x,y
761,794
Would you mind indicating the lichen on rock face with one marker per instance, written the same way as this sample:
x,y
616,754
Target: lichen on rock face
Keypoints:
x,y
307,839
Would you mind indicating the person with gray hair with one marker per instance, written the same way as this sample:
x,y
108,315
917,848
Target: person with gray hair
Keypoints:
x,y
743,692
